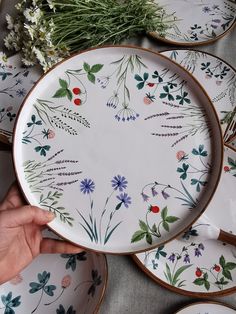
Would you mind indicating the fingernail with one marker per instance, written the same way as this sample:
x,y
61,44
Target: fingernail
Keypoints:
x,y
50,216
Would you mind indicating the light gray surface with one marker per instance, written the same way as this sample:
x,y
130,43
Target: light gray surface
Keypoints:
x,y
129,290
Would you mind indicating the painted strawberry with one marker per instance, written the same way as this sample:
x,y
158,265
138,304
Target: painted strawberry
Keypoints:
x,y
154,209
198,272
76,90
77,102
216,268
150,84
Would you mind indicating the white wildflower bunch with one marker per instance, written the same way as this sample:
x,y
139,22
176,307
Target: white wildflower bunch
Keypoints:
x,y
46,31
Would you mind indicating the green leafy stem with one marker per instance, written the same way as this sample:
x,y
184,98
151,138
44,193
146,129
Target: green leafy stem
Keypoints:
x,y
53,115
148,232
50,202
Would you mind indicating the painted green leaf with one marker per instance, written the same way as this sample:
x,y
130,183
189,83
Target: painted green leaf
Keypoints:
x,y
63,84
118,206
230,266
148,238
145,76
232,163
199,281
140,85
137,236
143,225
207,285
69,94
171,219
170,97
163,95
96,68
168,274
179,272
138,78
62,92
91,77
86,67
165,226
227,274
154,228
164,213
222,261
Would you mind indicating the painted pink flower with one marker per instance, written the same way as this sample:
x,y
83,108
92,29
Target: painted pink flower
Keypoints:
x,y
207,76
51,134
66,281
180,155
9,108
16,280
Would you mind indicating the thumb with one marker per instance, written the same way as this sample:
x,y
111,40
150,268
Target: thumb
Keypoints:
x,y
25,215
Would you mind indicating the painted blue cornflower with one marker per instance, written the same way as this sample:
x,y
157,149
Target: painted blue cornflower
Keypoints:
x,y
87,186
186,259
125,199
21,92
172,258
119,182
206,9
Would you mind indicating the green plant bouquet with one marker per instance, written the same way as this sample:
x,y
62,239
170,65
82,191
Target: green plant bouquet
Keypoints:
x,y
46,31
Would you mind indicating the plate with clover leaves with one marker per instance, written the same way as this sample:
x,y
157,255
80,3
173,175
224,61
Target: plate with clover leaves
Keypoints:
x,y
200,267
211,20
96,142
216,75
209,307
15,82
53,283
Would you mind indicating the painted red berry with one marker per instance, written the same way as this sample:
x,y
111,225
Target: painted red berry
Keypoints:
x,y
150,84
155,209
77,101
198,272
147,100
226,169
76,90
216,268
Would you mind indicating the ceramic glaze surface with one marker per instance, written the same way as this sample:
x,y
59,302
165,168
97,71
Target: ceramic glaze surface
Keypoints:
x,y
206,308
197,21
217,77
62,284
15,82
201,266
118,143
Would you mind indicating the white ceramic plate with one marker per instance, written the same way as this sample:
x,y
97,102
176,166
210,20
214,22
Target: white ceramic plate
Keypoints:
x,y
217,77
206,308
57,284
102,141
197,21
15,82
200,267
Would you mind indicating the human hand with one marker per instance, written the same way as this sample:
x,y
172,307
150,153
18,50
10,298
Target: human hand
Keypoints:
x,y
20,235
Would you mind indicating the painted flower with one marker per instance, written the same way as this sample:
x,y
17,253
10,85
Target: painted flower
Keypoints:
x,y
154,192
87,186
197,252
125,199
145,197
181,155
9,108
148,99
103,81
154,209
126,114
164,194
21,92
206,9
119,182
19,81
113,101
186,259
201,246
49,134
172,258
198,272
66,281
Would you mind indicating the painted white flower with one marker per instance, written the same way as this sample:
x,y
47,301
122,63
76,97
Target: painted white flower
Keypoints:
x,y
10,21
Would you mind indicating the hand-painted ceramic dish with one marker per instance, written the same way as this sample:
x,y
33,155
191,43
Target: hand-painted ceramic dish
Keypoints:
x,y
67,283
207,308
15,82
200,268
217,77
102,141
196,22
